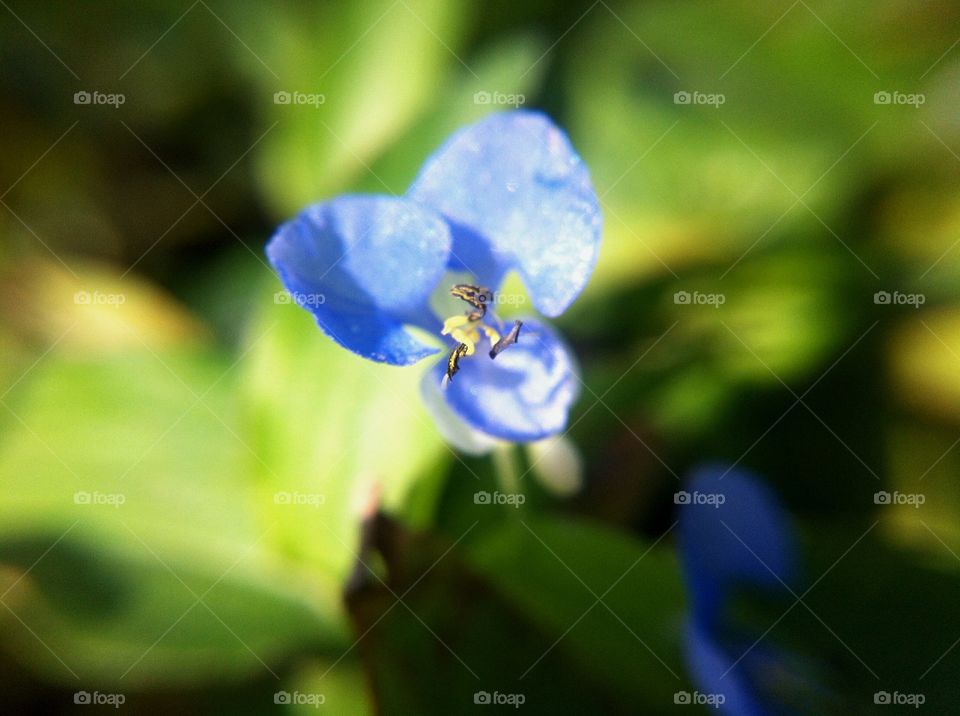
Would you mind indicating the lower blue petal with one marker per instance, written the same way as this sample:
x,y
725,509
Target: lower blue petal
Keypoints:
x,y
743,540
365,266
733,534
517,196
452,428
710,668
524,394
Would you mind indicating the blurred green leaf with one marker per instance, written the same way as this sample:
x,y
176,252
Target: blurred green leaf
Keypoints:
x,y
126,498
506,68
376,71
554,569
341,684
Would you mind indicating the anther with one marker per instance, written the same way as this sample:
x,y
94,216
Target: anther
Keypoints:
x,y
465,329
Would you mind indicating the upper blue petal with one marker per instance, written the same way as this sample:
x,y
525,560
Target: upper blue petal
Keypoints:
x,y
517,196
365,266
744,540
524,394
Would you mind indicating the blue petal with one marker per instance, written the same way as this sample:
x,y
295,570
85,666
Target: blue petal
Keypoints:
x,y
365,266
451,426
746,540
517,196
710,667
523,395
754,676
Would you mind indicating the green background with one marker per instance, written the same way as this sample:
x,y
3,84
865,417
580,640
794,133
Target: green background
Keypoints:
x,y
186,388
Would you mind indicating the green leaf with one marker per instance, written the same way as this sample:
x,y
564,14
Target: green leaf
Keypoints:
x,y
553,570
375,62
127,497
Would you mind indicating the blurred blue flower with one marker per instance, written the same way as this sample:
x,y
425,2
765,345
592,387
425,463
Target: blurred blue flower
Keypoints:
x,y
734,535
507,193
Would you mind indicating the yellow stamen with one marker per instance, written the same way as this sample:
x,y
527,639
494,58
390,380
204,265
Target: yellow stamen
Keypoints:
x,y
466,329
453,322
492,334
469,337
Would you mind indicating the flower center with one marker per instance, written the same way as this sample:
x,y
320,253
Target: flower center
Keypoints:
x,y
466,328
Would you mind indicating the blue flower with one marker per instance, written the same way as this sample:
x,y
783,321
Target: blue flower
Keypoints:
x,y
733,535
507,193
